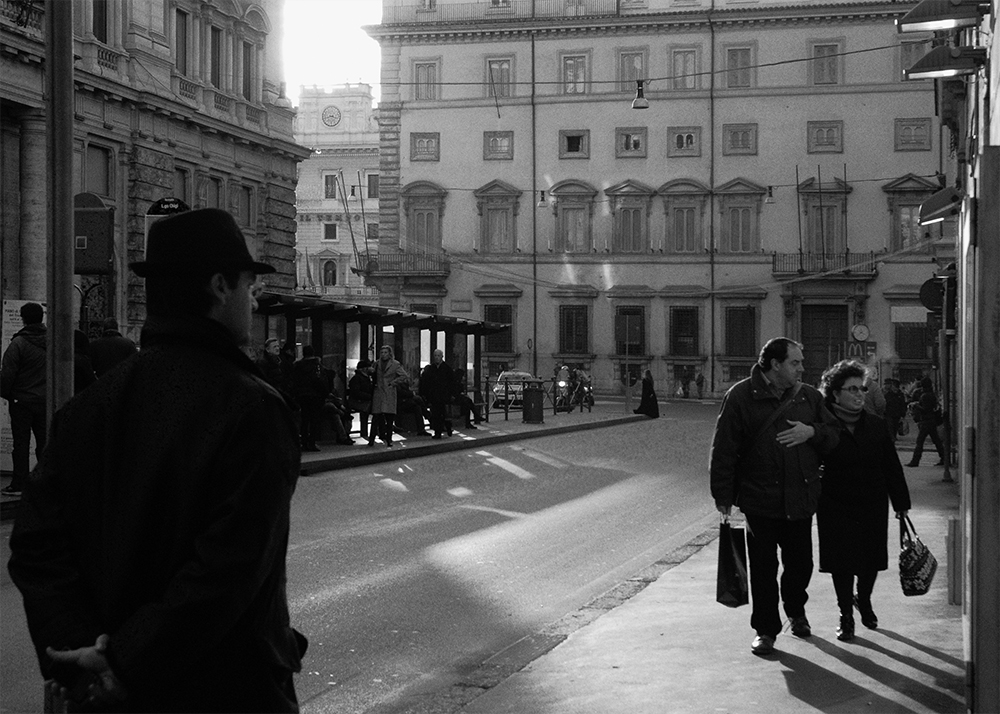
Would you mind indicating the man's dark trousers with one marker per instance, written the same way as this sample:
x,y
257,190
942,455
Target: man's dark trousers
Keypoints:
x,y
764,537
924,429
25,418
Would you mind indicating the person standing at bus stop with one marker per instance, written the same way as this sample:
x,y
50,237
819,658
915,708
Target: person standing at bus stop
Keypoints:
x,y
389,374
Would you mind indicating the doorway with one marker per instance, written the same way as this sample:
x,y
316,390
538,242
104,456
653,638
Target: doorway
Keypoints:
x,y
824,332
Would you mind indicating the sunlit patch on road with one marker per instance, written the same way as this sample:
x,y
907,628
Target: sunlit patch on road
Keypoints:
x,y
510,468
460,492
394,485
545,459
500,511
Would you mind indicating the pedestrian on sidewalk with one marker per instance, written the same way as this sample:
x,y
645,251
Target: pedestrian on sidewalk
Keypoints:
x,y
309,390
927,416
151,542
359,394
437,389
269,363
110,348
771,433
389,374
647,403
860,477
895,407
22,384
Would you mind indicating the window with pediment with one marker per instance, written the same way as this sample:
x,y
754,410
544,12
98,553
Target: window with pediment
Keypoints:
x,y
825,212
740,203
423,206
573,205
497,204
685,202
630,204
904,196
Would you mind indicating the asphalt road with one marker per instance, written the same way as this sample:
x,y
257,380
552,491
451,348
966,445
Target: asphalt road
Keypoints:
x,y
407,576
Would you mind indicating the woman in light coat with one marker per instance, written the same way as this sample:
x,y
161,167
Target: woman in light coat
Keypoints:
x,y
388,375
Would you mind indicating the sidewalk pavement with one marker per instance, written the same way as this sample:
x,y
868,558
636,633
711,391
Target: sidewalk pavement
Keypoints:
x,y
672,648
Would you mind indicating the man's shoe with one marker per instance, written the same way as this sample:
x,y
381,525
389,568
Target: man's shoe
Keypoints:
x,y
436,436
845,633
471,426
450,430
10,491
939,463
762,645
800,626
868,617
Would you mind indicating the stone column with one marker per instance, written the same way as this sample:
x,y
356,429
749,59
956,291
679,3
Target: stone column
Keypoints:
x,y
34,209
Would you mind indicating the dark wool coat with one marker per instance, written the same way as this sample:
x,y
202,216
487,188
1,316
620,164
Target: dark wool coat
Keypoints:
x,y
860,477
761,476
159,515
22,374
648,404
437,383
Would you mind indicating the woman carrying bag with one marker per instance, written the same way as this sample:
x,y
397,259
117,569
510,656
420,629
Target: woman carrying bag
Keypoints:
x,y
860,477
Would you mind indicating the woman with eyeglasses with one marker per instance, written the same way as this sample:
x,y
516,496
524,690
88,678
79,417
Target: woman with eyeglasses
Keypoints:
x,y
860,477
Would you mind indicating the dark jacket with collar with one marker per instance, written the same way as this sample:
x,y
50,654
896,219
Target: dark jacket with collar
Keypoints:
x,y
110,349
22,372
159,514
437,383
763,477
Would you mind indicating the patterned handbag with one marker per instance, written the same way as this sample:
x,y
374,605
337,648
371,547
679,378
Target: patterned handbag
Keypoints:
x,y
917,564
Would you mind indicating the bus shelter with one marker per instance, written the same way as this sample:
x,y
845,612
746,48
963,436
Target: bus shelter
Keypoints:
x,y
344,332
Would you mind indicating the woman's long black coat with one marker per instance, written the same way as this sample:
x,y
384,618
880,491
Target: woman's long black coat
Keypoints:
x,y
860,477
648,405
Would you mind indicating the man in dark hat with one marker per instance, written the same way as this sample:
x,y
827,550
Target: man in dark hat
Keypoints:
x,y
110,348
151,542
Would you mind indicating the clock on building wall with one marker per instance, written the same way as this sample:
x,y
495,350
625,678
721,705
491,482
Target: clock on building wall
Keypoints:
x,y
860,332
331,116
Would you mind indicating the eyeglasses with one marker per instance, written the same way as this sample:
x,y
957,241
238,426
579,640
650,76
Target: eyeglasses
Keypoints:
x,y
855,390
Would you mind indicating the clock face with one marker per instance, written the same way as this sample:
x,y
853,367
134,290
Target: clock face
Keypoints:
x,y
860,333
331,116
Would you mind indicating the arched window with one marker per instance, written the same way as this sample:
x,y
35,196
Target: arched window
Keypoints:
x,y
329,273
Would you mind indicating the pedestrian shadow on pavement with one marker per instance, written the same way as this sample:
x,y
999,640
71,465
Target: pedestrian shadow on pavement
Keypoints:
x,y
827,691
952,681
933,699
949,659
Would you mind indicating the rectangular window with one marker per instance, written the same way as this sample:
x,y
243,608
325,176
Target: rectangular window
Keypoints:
x,y
181,185
684,141
739,139
908,230
425,231
181,43
330,189
100,8
684,68
425,146
372,186
826,64
244,211
248,68
213,193
573,329
913,134
372,233
914,341
501,341
824,229
629,236
575,236
825,137
684,331
498,77
215,56
738,72
574,143
741,331
498,145
685,230
631,67
499,236
741,229
98,170
425,76
630,330
574,74
630,142
329,231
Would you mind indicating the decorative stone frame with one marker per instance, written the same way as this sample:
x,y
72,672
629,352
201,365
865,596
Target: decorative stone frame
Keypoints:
x,y
683,193
576,194
423,195
629,194
496,194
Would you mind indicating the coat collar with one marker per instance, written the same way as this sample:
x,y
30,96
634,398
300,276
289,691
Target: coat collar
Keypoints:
x,y
200,332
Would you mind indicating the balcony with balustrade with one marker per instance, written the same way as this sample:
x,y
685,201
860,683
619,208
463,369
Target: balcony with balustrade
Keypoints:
x,y
843,266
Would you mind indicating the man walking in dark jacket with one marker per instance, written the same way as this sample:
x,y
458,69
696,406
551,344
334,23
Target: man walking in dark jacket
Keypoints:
x,y
151,542
771,433
22,384
110,348
437,387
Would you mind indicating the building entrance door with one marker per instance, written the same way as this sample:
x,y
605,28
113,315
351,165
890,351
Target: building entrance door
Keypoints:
x,y
824,332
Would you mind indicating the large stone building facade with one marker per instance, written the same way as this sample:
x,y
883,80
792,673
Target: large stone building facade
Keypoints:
x,y
337,205
770,188
173,98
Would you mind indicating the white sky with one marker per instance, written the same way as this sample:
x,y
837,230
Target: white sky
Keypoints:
x,y
325,45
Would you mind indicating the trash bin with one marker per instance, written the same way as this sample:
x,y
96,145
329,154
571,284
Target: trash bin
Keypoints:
x,y
533,402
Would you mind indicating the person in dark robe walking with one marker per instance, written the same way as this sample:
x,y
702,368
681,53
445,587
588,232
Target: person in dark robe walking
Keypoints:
x,y
648,404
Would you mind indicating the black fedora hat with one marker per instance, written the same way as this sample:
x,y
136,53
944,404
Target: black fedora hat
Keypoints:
x,y
206,240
